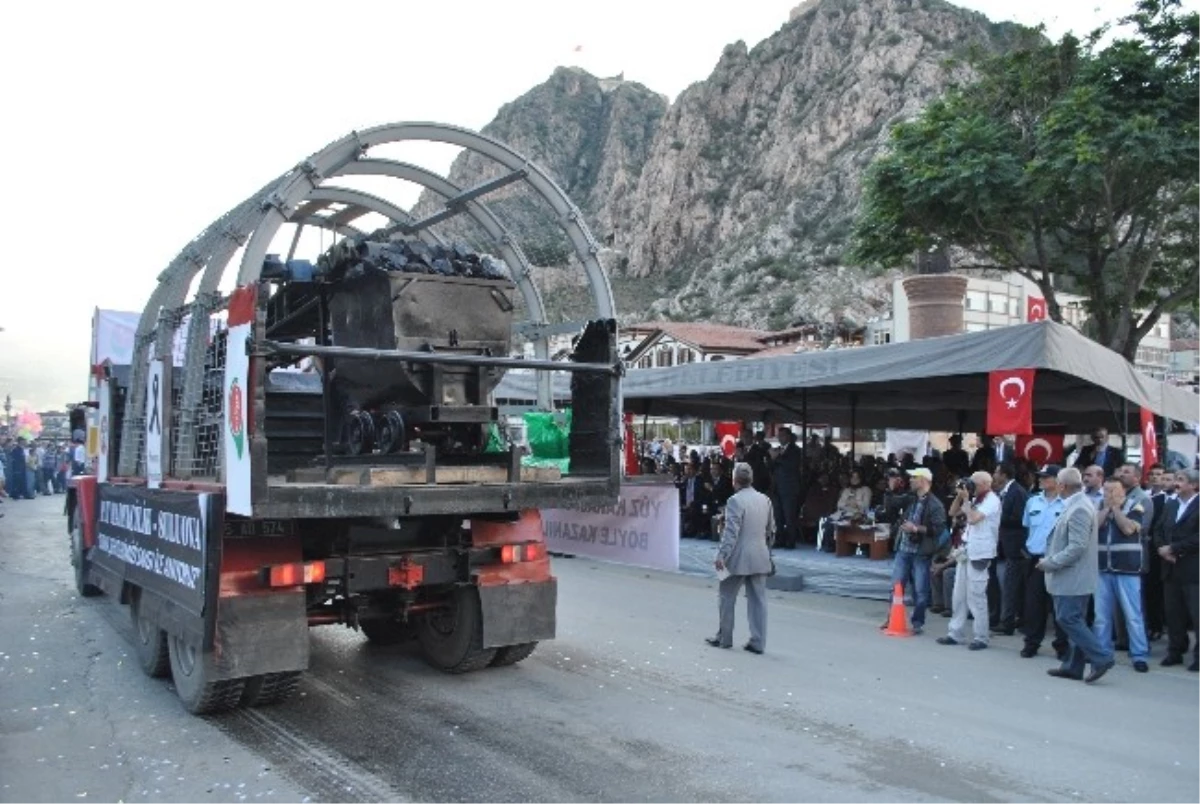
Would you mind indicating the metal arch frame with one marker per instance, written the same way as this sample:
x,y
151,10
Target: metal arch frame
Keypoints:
x,y
297,187
260,217
215,244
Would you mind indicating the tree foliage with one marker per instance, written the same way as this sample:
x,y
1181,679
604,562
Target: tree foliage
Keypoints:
x,y
1073,163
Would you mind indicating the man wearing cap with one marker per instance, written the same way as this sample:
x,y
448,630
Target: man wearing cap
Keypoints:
x,y
1041,513
922,523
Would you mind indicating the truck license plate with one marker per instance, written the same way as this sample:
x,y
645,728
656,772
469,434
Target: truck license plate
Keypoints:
x,y
245,528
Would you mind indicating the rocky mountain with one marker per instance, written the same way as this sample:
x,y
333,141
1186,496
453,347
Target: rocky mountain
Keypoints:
x,y
735,202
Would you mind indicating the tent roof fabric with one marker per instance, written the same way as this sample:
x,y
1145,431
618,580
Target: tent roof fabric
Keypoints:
x,y
925,384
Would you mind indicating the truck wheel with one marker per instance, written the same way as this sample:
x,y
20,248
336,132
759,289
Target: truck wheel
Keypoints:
x,y
511,654
149,642
386,632
452,638
190,673
270,688
78,561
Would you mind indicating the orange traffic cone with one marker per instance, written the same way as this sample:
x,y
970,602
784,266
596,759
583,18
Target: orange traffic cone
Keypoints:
x,y
898,619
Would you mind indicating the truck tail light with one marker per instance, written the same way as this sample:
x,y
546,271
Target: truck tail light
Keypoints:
x,y
515,553
295,573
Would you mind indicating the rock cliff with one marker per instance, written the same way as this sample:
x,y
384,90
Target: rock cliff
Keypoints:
x,y
735,202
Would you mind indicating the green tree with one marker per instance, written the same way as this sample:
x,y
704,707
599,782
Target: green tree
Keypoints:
x,y
1072,163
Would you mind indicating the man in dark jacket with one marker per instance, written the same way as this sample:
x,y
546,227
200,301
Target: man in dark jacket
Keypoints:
x,y
758,456
1178,543
1012,541
1099,453
923,521
786,489
18,481
693,502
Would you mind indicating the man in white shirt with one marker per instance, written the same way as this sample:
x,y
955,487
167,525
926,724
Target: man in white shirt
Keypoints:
x,y
974,558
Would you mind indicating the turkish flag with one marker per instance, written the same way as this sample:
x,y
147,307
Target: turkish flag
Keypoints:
x,y
1041,448
1149,442
1035,308
727,437
1010,402
631,455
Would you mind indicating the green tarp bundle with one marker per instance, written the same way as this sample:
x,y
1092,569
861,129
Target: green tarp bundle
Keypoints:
x,y
548,435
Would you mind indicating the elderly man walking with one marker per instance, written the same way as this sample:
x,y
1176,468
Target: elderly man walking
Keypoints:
x,y
1072,568
745,553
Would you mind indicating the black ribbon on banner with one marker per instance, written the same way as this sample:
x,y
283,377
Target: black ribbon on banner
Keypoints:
x,y
155,424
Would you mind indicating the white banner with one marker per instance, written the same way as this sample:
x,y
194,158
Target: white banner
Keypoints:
x,y
237,441
154,424
914,442
102,431
641,529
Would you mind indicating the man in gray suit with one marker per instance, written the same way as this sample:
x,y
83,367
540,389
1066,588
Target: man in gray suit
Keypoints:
x,y
1072,568
745,552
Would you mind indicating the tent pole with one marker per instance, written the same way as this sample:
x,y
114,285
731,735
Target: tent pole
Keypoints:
x,y
804,456
1124,423
853,425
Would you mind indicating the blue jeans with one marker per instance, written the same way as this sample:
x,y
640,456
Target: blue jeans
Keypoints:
x,y
1125,590
1071,611
906,564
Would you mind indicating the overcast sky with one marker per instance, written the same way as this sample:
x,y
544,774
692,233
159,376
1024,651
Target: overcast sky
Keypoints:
x,y
132,126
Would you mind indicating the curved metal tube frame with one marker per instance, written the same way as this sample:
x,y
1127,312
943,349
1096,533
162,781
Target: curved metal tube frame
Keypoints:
x,y
295,197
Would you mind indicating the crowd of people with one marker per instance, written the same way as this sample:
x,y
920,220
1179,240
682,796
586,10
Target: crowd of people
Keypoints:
x,y
1100,555
29,468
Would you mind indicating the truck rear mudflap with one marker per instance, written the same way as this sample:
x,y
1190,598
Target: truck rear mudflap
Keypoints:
x,y
514,614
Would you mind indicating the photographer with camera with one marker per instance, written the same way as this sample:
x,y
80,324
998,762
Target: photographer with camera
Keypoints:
x,y
974,499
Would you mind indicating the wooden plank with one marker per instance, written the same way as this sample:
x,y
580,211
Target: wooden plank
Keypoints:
x,y
415,475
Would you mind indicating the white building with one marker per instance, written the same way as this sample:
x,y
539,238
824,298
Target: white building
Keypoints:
x,y
993,302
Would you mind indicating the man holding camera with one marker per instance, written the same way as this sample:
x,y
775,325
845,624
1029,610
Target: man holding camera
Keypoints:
x,y
920,523
975,500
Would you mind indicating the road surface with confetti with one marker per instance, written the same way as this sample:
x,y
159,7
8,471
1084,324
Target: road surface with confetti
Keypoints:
x,y
628,704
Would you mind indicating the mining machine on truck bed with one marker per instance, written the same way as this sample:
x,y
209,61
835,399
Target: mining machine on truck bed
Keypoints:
x,y
294,442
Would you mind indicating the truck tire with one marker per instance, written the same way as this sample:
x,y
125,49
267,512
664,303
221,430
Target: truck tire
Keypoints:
x,y
270,688
386,632
149,642
78,562
452,638
511,654
190,672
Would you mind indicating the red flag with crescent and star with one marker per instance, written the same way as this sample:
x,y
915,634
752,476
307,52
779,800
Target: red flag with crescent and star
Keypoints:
x,y
727,437
632,467
1041,448
1035,308
1010,402
1149,442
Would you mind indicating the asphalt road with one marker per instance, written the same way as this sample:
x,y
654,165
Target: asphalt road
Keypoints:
x,y
628,704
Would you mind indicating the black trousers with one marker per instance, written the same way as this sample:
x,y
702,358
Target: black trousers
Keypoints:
x,y
1152,596
1039,605
1182,600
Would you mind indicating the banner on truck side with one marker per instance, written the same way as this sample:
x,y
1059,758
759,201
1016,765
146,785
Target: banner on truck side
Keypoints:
x,y
157,540
237,403
154,424
641,529
103,426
